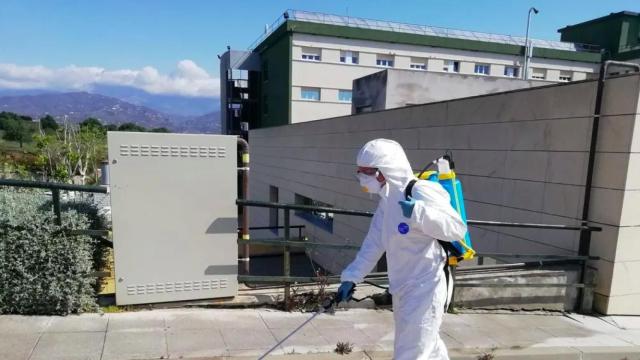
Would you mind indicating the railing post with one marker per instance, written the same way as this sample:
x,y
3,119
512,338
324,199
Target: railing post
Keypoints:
x,y
287,259
56,205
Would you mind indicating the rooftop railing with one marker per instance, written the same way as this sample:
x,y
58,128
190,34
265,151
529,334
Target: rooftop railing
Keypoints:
x,y
363,23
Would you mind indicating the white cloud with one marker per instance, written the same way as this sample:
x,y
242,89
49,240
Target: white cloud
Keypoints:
x,y
188,79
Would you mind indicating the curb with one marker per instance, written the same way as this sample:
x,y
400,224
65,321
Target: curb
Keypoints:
x,y
536,353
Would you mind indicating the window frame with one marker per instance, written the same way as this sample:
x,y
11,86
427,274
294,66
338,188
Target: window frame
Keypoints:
x,y
516,71
354,56
565,76
308,90
542,71
386,61
455,66
482,66
310,57
311,54
340,92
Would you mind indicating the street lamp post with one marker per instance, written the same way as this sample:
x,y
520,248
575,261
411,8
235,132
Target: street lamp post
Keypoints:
x,y
527,46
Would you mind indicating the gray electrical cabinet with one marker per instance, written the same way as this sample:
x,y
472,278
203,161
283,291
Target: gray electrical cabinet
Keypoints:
x,y
174,216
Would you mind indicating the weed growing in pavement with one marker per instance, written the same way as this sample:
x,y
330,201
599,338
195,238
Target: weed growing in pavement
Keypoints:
x,y
305,301
343,348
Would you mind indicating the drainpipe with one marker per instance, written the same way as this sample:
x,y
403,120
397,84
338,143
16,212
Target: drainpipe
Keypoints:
x,y
585,235
243,233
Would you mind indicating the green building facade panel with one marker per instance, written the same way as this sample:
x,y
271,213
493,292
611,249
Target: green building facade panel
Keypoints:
x,y
618,34
276,81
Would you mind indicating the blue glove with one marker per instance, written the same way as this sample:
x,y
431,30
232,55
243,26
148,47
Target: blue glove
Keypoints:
x,y
345,291
407,207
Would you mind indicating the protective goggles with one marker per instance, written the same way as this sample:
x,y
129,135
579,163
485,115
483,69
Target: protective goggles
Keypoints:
x,y
367,171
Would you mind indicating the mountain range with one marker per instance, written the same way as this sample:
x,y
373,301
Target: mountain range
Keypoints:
x,y
178,113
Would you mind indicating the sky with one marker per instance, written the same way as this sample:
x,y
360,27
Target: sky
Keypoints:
x,y
164,46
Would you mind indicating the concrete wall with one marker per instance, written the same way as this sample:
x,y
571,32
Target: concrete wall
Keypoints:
x,y
403,87
521,155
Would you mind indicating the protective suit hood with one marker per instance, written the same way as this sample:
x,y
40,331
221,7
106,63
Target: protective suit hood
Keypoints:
x,y
390,159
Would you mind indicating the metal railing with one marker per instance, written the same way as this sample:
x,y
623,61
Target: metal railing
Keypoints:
x,y
287,243
364,23
56,189
105,270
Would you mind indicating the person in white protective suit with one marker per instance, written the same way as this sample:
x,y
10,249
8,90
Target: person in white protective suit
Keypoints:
x,y
408,231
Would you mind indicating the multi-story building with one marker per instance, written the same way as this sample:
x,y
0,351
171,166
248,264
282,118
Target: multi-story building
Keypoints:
x,y
308,61
617,33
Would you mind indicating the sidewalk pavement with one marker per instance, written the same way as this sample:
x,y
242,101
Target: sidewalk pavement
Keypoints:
x,y
248,333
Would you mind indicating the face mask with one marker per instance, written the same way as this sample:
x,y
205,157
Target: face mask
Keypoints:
x,y
369,183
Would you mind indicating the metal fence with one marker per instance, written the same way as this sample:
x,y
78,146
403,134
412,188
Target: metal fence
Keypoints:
x,y
67,196
585,285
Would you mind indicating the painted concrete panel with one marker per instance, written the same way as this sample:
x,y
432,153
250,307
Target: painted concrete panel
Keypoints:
x,y
521,155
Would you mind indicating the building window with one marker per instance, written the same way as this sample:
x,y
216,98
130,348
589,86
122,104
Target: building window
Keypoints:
x,y
538,74
310,94
322,220
273,212
482,69
451,66
384,60
344,95
418,64
311,54
349,57
511,71
565,76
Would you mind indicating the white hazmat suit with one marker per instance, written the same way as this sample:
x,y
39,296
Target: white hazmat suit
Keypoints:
x,y
415,259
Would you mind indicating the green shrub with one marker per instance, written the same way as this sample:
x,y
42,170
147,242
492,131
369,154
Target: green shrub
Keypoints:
x,y
43,269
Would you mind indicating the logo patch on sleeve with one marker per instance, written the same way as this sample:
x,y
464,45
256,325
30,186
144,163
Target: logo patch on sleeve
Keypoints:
x,y
403,228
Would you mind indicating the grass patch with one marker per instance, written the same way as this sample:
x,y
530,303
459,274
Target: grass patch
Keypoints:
x,y
112,309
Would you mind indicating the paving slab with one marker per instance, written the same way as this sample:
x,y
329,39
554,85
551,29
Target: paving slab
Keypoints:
x,y
192,320
79,323
472,337
69,346
17,346
136,321
307,339
518,337
356,337
195,343
609,353
630,336
624,322
247,339
240,319
381,335
19,324
254,353
278,320
139,344
249,333
537,354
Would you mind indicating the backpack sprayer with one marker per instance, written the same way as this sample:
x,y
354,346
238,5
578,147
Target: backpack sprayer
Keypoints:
x,y
446,176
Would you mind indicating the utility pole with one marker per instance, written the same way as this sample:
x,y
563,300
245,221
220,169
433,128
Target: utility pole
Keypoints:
x,y
527,46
